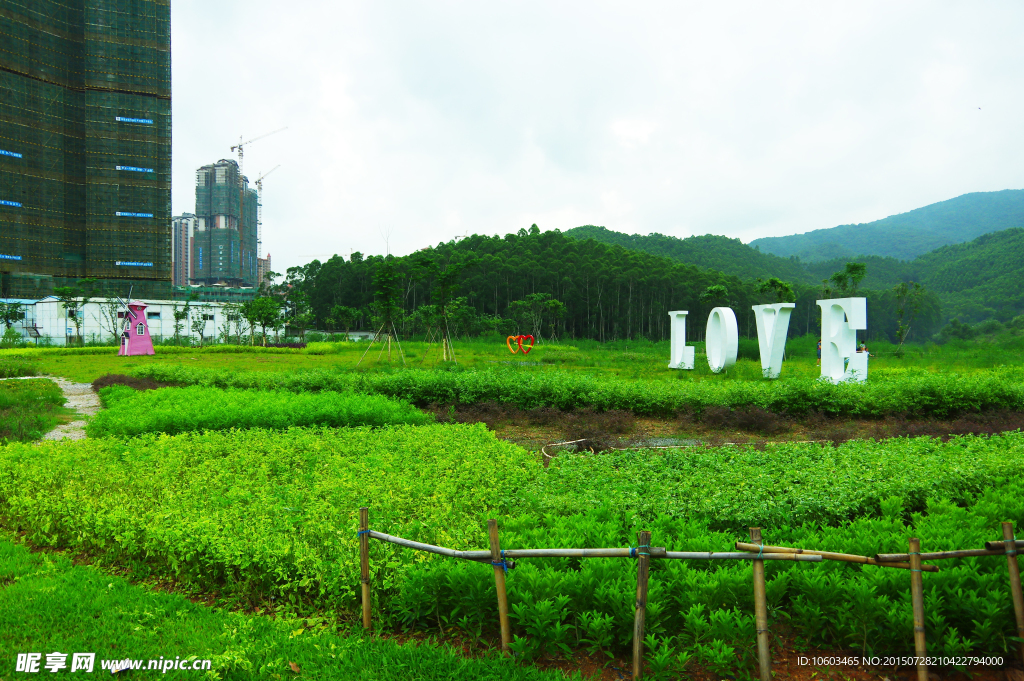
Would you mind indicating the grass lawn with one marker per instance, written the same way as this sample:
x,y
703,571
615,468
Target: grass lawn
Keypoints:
x,y
626,359
49,605
29,408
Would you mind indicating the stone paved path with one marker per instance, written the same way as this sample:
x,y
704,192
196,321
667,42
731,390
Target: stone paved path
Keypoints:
x,y
82,399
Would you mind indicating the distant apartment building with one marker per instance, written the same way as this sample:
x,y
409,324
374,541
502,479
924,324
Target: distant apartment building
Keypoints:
x,y
262,268
224,235
182,233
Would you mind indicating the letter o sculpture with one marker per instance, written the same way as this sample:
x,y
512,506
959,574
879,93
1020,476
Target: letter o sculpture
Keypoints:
x,y
722,339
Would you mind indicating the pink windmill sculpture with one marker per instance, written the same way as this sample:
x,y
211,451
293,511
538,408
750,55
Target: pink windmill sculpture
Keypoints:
x,y
135,338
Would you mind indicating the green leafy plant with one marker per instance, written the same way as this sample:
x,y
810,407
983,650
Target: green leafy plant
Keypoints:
x,y
178,410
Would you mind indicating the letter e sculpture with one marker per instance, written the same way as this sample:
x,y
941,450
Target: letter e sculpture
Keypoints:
x,y
841,318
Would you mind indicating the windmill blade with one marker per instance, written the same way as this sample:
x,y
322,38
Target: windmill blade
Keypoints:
x,y
127,310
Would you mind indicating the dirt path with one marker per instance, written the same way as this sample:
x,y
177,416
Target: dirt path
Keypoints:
x,y
82,399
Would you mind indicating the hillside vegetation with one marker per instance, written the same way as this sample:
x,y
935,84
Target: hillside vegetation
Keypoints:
x,y
974,281
907,235
729,256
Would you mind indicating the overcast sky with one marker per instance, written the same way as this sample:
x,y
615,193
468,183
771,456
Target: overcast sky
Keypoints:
x,y
411,123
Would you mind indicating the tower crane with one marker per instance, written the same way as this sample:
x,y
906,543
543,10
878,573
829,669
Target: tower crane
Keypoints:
x,y
241,147
259,208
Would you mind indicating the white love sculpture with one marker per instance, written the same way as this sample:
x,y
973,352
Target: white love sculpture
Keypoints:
x,y
772,329
841,318
680,354
722,339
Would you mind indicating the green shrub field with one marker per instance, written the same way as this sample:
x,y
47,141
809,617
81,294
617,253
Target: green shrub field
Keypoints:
x,y
29,408
786,484
256,513
913,393
179,410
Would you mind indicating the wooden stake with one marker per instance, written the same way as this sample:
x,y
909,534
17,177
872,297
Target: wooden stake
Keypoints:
x,y
764,659
364,562
1015,588
499,582
643,565
917,597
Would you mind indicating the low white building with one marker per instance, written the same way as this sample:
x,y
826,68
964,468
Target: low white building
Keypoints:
x,y
98,320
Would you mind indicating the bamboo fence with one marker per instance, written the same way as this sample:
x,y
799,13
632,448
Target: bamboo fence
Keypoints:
x,y
754,551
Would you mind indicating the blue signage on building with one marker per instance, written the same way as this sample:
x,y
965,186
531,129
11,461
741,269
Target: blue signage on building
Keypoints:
x,y
123,119
9,257
10,203
200,257
122,214
4,152
132,263
134,169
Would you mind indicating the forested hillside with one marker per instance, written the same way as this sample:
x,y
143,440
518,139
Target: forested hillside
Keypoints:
x,y
721,253
907,235
548,284
607,292
974,281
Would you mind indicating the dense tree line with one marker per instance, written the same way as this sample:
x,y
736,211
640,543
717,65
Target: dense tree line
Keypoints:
x,y
548,284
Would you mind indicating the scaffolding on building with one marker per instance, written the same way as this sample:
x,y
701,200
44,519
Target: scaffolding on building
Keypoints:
x,y
85,145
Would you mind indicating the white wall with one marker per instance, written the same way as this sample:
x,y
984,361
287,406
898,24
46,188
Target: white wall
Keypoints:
x,y
49,319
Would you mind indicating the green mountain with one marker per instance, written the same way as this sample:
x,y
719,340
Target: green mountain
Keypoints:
x,y
907,235
729,256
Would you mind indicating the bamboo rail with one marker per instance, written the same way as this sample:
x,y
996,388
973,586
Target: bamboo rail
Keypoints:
x,y
712,555
478,556
1001,545
828,555
644,553
655,552
938,555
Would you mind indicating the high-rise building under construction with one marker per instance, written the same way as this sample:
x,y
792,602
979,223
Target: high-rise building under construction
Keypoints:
x,y
224,239
85,145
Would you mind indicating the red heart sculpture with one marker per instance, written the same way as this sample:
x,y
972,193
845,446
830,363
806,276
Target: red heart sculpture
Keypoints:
x,y
526,350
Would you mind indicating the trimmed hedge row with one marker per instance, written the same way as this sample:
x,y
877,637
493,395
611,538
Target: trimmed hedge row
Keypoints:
x,y
912,394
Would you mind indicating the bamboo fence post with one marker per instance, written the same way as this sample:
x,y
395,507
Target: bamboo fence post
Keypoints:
x,y
764,659
917,597
1015,587
643,563
499,583
364,562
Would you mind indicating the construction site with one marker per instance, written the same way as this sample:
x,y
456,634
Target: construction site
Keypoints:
x,y
85,146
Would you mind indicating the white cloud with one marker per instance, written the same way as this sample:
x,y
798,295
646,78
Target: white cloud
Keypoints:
x,y
743,119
